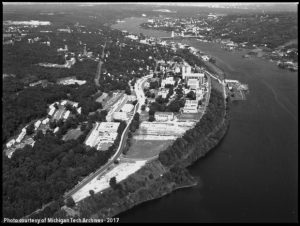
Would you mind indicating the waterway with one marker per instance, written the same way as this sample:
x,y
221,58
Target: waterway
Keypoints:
x,y
252,175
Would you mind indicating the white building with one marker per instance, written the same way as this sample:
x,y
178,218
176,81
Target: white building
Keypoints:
x,y
10,143
198,76
63,102
52,110
123,116
163,116
167,81
66,115
163,93
133,37
127,108
21,136
193,83
205,58
37,124
45,121
56,129
190,106
103,133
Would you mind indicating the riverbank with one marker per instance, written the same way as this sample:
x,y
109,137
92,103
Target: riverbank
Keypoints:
x,y
158,178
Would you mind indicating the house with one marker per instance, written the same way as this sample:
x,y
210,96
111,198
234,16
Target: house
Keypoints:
x,y
52,110
167,81
10,143
56,130
37,124
163,93
45,121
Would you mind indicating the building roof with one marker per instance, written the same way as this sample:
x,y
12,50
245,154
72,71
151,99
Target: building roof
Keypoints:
x,y
163,113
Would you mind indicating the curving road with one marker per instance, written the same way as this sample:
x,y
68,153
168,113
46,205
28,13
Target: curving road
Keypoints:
x,y
137,108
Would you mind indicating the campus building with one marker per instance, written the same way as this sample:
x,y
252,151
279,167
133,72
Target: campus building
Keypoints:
x,y
163,116
190,106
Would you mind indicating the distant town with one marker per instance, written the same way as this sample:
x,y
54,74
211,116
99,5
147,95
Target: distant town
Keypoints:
x,y
97,120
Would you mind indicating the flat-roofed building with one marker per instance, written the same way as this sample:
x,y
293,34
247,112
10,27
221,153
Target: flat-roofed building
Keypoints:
x,y
116,106
10,143
21,136
198,76
37,124
193,83
66,115
52,110
167,81
163,93
127,108
131,98
63,102
45,121
56,130
163,116
190,106
104,132
123,116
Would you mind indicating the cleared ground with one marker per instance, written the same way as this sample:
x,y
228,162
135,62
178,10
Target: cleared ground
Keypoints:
x,y
141,149
99,183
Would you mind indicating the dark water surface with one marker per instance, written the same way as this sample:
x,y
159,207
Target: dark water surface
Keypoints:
x,y
252,175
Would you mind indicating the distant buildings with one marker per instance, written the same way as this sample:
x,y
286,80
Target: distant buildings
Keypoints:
x,y
70,81
163,93
167,81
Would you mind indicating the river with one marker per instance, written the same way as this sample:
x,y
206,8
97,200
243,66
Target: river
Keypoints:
x,y
252,175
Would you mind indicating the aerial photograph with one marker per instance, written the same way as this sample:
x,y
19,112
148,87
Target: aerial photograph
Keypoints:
x,y
149,112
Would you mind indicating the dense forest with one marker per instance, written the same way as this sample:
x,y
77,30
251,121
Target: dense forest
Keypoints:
x,y
37,175
213,116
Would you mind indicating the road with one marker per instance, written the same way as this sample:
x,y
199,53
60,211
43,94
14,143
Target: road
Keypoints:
x,y
98,73
141,101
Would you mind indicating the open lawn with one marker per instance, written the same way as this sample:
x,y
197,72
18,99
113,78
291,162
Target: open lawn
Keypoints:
x,y
141,149
72,134
191,116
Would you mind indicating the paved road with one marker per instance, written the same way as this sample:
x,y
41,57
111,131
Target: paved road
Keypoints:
x,y
98,73
139,93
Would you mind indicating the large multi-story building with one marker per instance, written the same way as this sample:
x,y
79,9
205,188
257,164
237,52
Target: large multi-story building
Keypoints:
x,y
163,116
103,135
117,106
190,106
198,76
123,116
193,83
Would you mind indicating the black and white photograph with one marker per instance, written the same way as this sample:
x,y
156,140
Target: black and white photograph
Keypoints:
x,y
150,112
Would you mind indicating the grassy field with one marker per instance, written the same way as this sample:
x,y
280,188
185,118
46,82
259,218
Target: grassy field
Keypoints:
x,y
141,149
72,134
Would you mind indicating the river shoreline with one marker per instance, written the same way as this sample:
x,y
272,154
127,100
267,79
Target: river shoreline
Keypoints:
x,y
165,181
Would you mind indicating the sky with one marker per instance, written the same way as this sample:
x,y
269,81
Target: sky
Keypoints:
x,y
161,3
